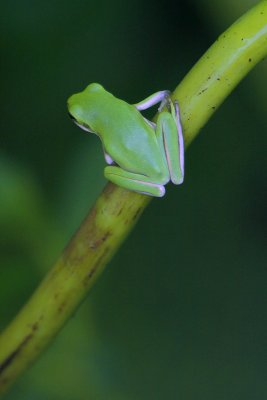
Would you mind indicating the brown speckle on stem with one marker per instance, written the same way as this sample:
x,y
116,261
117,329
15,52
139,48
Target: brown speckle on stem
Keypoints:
x,y
94,268
96,243
11,357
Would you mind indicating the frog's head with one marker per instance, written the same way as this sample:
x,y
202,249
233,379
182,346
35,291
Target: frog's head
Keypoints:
x,y
77,111
80,106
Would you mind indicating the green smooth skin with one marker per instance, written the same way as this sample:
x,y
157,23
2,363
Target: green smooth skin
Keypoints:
x,y
145,157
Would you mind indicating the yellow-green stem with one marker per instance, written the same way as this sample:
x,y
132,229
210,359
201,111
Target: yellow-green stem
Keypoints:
x,y
116,211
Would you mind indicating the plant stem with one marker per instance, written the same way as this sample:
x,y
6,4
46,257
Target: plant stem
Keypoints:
x,y
116,211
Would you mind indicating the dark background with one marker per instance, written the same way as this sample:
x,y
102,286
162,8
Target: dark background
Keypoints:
x,y
180,312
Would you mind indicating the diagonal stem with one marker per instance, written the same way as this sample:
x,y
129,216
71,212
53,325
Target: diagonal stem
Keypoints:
x,y
116,211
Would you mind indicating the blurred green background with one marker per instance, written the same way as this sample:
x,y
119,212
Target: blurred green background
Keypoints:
x,y
180,312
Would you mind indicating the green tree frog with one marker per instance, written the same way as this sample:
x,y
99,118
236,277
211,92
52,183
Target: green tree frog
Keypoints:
x,y
142,155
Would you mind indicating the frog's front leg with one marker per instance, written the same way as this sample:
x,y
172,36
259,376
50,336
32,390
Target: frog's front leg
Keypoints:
x,y
155,98
170,139
131,181
108,159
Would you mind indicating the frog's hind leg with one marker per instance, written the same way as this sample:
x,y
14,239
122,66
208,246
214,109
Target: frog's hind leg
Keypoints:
x,y
168,138
180,135
131,181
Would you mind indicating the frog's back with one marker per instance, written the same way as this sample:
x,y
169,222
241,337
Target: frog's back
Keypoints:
x,y
126,136
108,113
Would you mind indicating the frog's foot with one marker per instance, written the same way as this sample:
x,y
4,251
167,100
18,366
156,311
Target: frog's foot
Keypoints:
x,y
131,181
166,102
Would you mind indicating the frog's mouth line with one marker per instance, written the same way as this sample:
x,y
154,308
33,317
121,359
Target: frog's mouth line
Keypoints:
x,y
85,127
